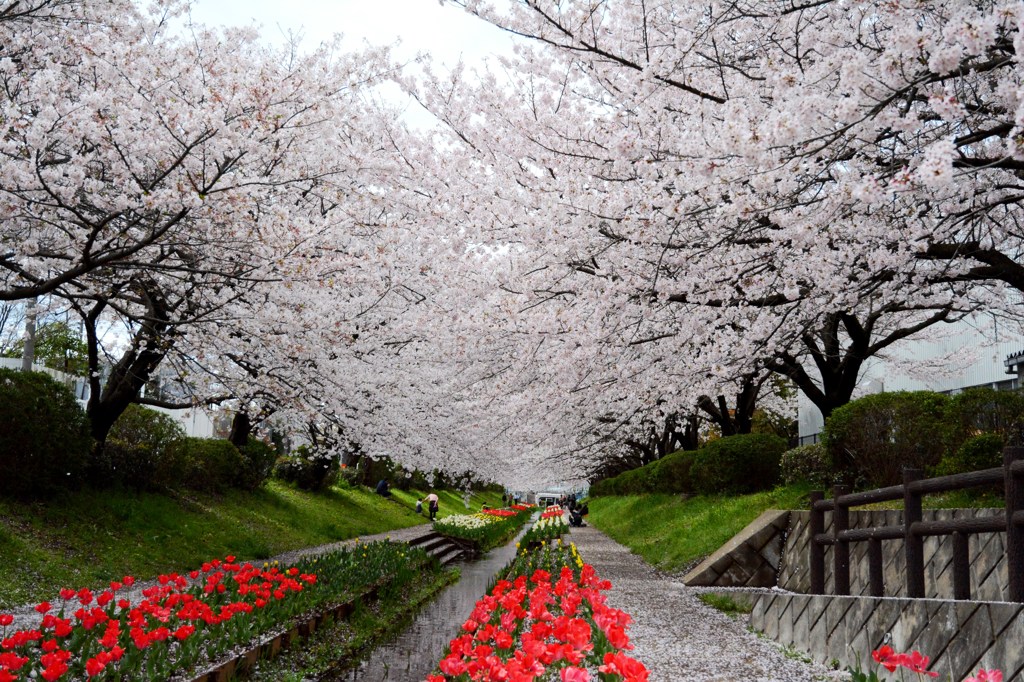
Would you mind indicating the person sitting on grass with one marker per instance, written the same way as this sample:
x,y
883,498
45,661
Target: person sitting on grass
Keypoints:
x,y
384,488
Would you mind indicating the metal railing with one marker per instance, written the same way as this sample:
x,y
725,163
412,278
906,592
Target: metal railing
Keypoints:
x,y
914,529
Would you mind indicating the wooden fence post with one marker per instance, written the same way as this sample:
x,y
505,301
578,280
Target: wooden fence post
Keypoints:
x,y
840,548
875,568
1014,533
961,566
817,527
913,544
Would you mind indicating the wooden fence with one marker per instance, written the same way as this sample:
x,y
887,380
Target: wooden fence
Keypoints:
x,y
913,529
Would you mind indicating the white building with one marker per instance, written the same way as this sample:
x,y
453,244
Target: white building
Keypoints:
x,y
951,358
197,422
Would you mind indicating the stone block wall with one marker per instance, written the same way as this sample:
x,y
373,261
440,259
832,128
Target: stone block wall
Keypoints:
x,y
959,636
987,553
750,559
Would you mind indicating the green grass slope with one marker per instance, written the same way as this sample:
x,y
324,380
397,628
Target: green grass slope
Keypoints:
x,y
86,539
672,533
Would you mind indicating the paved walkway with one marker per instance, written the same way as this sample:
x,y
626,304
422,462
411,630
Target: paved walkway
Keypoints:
x,y
677,636
398,535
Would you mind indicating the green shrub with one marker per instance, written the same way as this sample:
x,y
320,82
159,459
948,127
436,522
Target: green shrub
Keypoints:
x,y
600,488
348,477
636,481
307,469
983,451
206,464
738,464
672,472
984,410
45,441
257,464
807,464
137,451
872,439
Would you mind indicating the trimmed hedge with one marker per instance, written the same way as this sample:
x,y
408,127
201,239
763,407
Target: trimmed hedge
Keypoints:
x,y
669,474
983,451
872,439
738,464
257,464
985,410
44,436
307,470
672,472
807,464
207,464
139,451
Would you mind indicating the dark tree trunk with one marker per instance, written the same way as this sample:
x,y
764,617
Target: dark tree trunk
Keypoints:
x,y
149,346
839,366
688,438
741,419
241,427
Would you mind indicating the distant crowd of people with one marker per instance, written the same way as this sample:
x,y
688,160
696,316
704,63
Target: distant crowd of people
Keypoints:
x,y
573,507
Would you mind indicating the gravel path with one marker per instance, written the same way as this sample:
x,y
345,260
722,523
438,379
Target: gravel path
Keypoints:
x,y
676,635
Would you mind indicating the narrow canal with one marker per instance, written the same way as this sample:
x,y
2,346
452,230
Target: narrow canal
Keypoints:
x,y
412,655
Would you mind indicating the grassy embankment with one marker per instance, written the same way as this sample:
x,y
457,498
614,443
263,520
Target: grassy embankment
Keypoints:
x,y
673,533
85,539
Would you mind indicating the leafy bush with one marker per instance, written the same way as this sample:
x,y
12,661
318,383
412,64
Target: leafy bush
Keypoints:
x,y
807,464
207,464
257,464
600,488
138,451
983,451
738,464
348,477
984,410
636,481
872,439
307,469
45,439
672,472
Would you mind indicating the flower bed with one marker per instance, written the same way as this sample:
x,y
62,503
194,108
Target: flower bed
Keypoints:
x,y
546,620
545,530
484,529
187,620
500,513
552,512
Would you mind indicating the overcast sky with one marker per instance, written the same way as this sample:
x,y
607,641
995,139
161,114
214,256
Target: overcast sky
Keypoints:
x,y
446,32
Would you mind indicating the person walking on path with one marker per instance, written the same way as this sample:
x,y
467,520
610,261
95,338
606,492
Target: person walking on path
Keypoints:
x,y
432,505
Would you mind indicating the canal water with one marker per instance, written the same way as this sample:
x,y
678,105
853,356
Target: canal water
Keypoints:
x,y
413,654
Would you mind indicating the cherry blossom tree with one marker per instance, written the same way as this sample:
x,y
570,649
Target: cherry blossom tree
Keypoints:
x,y
782,174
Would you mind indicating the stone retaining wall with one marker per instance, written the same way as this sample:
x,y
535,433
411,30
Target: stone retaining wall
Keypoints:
x,y
959,636
750,559
986,550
